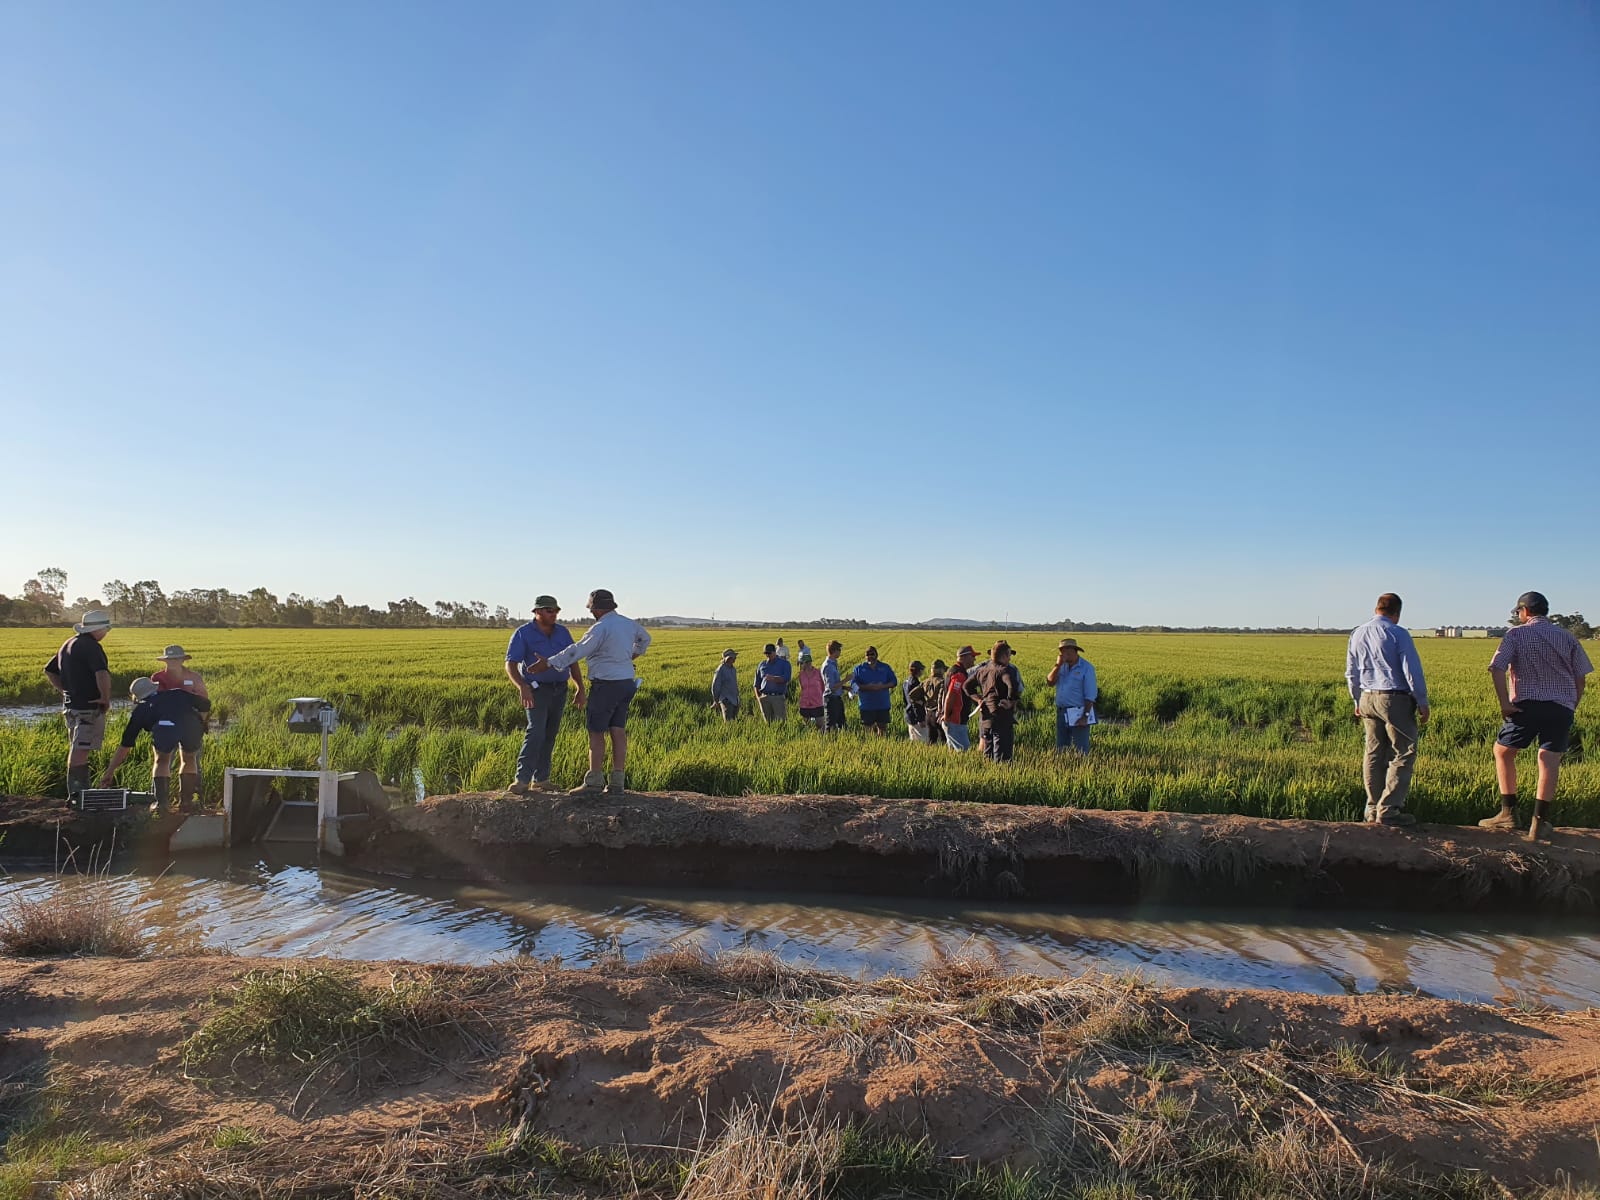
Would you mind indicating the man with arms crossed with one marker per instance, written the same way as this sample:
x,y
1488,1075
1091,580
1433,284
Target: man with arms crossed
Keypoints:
x,y
544,693
611,645
80,672
1548,671
1391,700
876,682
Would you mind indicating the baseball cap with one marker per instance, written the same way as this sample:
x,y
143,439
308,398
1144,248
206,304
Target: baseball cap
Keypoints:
x,y
142,688
545,602
1534,602
601,598
915,665
769,648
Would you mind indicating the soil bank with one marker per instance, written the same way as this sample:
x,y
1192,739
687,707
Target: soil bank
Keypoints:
x,y
1043,1074
864,845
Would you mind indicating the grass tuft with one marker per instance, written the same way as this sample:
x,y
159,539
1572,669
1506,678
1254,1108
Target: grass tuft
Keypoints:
x,y
82,916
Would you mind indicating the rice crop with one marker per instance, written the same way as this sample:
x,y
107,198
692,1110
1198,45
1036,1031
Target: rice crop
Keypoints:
x,y
1222,723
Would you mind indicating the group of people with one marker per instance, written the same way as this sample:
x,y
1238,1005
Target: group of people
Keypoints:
x,y
937,706
1539,673
169,705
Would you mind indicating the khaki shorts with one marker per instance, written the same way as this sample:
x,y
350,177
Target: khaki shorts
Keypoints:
x,y
86,727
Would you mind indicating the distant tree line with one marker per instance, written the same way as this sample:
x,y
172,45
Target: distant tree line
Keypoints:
x,y
144,602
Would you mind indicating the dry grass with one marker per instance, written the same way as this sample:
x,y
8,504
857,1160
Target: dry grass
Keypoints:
x,y
82,916
756,1159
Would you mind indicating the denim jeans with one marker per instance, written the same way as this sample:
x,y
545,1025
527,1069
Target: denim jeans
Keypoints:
x,y
1076,736
544,722
957,737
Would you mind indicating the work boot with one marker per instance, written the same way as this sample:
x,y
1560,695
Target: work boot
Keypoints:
x,y
1369,814
189,793
616,787
1398,819
1504,821
77,780
162,786
519,788
1541,830
593,784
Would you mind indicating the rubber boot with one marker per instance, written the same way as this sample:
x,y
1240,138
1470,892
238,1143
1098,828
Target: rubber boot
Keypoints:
x,y
189,793
77,780
616,787
593,783
162,786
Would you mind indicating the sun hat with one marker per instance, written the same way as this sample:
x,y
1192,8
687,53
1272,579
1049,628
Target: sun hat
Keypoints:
x,y
1002,644
1068,644
730,652
966,650
173,652
544,602
143,688
94,619
805,655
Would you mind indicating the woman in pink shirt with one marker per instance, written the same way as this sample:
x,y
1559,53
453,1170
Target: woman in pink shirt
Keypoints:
x,y
811,702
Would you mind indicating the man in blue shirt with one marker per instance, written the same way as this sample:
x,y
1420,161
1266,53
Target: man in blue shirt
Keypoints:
x,y
1391,699
832,690
544,693
772,685
1076,693
876,682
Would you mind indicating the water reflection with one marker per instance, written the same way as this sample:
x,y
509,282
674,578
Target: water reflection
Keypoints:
x,y
277,905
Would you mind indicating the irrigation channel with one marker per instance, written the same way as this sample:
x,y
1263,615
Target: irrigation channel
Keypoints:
x,y
280,905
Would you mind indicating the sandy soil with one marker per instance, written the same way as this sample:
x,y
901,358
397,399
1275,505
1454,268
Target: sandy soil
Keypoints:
x,y
654,1055
918,847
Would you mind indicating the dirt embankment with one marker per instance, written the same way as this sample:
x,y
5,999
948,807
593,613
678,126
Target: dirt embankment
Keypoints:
x,y
48,832
930,848
1067,1078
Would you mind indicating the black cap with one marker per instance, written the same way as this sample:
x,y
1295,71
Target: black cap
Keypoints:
x,y
915,665
769,648
1535,603
600,598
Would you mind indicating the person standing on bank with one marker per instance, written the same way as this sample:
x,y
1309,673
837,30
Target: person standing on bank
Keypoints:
x,y
80,672
876,682
994,687
177,676
544,693
725,686
813,706
1077,690
172,718
1391,701
1548,672
771,685
832,690
611,645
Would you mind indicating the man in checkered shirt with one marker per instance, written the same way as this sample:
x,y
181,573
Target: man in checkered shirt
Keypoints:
x,y
1547,669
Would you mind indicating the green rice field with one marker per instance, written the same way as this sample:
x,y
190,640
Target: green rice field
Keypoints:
x,y
1221,723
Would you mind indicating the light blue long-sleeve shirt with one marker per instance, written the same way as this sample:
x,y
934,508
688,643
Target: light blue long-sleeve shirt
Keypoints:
x,y
611,645
1075,685
1383,658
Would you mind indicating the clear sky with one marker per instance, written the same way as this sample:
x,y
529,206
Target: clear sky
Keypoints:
x,y
1159,312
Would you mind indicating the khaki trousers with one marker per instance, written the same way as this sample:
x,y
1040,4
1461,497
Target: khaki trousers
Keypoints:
x,y
1391,722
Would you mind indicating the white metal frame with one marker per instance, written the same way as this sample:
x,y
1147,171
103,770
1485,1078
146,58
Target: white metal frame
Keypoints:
x,y
326,803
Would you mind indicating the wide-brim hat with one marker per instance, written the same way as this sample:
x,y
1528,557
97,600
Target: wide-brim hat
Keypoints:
x,y
93,621
173,652
1069,644
545,602
143,688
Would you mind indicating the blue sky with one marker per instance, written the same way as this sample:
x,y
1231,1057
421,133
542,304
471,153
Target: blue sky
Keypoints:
x,y
1159,312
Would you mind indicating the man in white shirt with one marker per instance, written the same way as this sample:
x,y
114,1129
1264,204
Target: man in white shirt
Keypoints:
x,y
611,645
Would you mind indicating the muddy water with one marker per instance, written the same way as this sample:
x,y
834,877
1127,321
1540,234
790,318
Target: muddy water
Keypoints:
x,y
283,906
